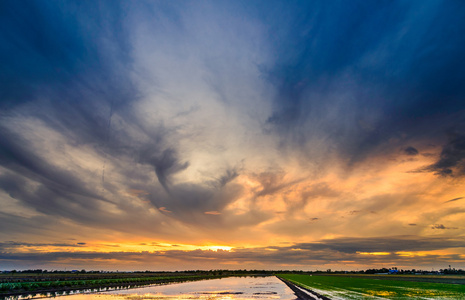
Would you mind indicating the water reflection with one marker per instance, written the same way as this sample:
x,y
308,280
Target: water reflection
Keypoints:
x,y
226,288
237,288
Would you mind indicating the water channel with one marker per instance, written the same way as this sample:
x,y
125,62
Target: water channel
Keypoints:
x,y
231,288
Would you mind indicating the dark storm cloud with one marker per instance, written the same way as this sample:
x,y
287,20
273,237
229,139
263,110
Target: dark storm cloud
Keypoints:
x,y
52,45
189,202
70,62
442,227
411,151
17,155
17,225
385,244
11,246
165,164
227,177
357,74
452,158
38,184
272,183
69,65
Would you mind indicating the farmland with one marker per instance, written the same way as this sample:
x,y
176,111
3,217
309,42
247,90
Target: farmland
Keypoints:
x,y
20,284
334,286
377,287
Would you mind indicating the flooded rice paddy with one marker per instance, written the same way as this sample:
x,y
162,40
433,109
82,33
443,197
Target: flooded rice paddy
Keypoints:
x,y
233,288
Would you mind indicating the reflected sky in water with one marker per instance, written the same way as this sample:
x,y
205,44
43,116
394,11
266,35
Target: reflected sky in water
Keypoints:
x,y
225,288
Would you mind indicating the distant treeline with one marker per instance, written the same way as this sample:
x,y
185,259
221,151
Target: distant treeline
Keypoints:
x,y
142,273
226,272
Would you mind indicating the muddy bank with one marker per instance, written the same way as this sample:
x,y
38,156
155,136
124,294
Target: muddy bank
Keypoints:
x,y
303,293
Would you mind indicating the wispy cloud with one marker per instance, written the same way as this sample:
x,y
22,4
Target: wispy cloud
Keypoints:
x,y
455,199
442,227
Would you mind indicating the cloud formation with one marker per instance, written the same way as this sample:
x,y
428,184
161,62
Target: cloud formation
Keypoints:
x,y
349,252
452,159
232,123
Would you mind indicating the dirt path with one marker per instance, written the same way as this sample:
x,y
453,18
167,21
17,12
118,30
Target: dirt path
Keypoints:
x,y
303,293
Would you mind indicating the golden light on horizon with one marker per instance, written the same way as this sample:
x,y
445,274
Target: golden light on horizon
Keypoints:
x,y
374,253
216,248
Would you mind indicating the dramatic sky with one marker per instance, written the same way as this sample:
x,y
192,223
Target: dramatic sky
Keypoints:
x,y
171,135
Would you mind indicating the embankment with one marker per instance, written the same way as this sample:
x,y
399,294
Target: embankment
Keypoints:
x,y
303,293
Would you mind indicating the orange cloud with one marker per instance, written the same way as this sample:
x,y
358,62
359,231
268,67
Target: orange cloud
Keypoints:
x,y
213,212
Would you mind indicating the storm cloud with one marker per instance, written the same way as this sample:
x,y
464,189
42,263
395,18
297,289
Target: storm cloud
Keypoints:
x,y
232,123
452,159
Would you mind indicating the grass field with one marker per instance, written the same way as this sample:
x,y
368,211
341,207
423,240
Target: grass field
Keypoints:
x,y
345,287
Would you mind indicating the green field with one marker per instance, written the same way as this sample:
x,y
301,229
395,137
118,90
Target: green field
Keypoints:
x,y
345,287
